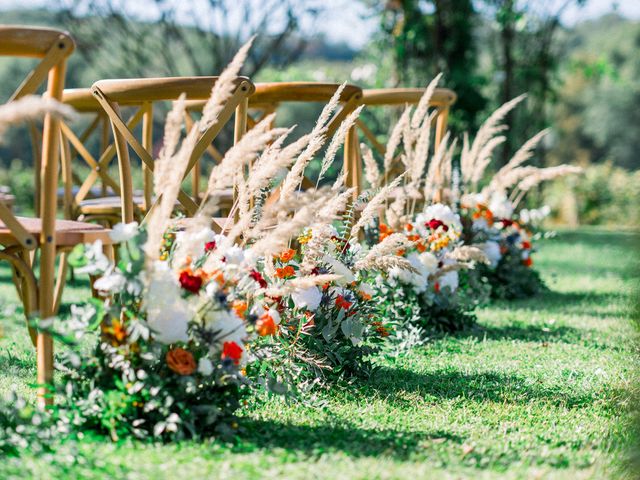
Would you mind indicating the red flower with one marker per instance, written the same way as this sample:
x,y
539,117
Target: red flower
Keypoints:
x,y
342,303
506,222
232,351
434,224
527,262
209,246
526,245
258,278
436,287
191,283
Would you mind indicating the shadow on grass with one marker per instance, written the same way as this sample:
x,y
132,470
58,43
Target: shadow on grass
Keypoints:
x,y
526,333
320,439
609,304
482,387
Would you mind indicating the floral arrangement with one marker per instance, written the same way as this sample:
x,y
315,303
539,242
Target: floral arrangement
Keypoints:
x,y
507,240
295,287
170,342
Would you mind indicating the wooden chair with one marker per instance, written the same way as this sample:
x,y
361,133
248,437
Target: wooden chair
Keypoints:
x,y
20,237
142,93
269,96
78,188
442,100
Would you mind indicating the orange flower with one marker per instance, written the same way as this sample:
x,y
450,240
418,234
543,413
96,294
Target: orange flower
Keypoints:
x,y
385,231
239,307
420,247
408,227
381,329
287,255
266,325
413,238
285,272
401,252
218,277
116,332
181,361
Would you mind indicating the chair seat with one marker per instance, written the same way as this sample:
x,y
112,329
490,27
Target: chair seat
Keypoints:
x,y
105,205
95,191
68,232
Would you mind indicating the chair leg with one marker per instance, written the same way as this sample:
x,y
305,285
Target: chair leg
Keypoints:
x,y
61,279
25,283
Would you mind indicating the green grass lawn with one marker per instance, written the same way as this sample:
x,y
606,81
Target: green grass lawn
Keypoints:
x,y
543,388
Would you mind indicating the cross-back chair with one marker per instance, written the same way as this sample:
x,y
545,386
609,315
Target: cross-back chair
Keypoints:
x,y
442,100
21,237
269,96
77,150
143,93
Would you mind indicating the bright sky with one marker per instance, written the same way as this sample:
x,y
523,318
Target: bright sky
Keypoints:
x,y
350,20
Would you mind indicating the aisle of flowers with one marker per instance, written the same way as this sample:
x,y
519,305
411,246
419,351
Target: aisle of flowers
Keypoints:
x,y
298,289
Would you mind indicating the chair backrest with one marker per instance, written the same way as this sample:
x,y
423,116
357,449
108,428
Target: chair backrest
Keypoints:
x,y
142,93
76,187
269,96
442,100
52,47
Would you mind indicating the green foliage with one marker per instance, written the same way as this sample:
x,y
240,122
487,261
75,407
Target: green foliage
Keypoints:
x,y
510,279
603,195
426,38
542,387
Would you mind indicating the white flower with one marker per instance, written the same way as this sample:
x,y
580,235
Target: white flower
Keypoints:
x,y
429,262
471,200
111,282
450,280
492,251
479,225
500,205
441,212
366,290
341,269
308,298
536,215
168,314
205,367
275,316
123,232
234,255
417,280
97,261
230,326
192,243
364,73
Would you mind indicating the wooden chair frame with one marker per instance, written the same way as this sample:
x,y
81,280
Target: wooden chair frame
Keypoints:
x,y
442,100
268,97
21,237
142,93
74,145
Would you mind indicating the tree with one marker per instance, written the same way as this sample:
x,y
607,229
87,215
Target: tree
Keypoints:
x,y
526,55
428,37
169,37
